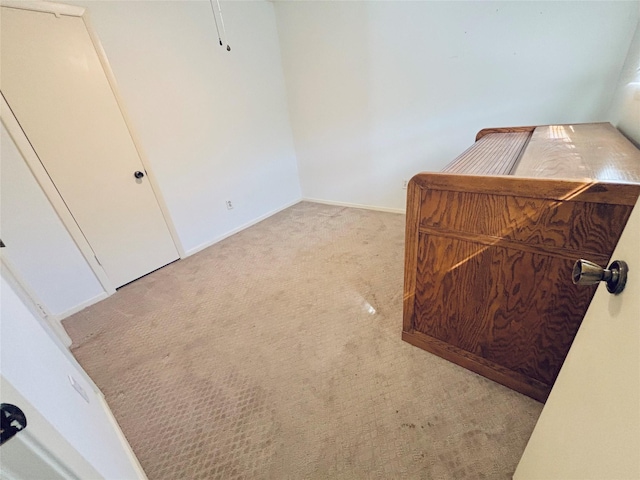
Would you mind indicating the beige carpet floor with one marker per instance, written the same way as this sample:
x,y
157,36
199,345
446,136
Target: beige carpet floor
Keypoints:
x,y
276,354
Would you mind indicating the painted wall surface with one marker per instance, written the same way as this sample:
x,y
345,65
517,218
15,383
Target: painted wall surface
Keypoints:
x,y
35,366
37,244
214,124
625,109
379,91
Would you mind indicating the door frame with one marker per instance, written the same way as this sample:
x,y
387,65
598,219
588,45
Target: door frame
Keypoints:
x,y
31,300
32,160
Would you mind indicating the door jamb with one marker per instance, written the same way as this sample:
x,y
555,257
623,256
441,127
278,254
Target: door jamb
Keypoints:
x,y
31,300
46,7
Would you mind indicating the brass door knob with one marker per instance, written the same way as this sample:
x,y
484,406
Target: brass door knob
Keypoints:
x,y
589,273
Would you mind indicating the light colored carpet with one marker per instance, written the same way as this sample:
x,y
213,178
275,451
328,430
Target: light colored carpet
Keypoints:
x,y
276,354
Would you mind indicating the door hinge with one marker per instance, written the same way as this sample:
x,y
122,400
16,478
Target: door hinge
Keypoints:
x,y
42,311
97,260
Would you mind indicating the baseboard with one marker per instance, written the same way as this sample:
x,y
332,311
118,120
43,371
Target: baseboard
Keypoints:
x,y
123,440
202,246
355,205
61,316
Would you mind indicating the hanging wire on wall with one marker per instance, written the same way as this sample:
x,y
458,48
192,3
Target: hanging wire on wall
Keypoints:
x,y
216,21
224,31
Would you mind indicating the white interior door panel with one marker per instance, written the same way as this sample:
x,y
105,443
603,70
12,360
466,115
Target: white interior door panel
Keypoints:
x,y
54,83
590,426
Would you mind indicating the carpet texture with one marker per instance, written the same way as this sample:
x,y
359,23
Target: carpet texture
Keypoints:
x,y
276,354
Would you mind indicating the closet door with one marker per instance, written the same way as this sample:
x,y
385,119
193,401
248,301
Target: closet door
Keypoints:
x,y
54,83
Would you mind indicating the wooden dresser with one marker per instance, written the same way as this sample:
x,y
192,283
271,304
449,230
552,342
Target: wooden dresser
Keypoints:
x,y
492,239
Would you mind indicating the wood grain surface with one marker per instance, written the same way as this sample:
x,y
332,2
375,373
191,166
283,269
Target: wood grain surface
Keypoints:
x,y
521,383
596,150
517,309
587,228
489,257
489,240
586,190
411,252
494,154
487,131
493,277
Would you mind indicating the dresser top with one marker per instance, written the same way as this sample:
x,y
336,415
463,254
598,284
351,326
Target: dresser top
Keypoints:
x,y
596,151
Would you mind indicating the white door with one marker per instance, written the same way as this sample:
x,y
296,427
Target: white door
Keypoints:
x,y
38,451
590,426
54,83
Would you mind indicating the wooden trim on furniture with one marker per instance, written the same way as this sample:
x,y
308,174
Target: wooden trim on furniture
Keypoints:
x,y
521,383
586,190
491,241
486,131
411,251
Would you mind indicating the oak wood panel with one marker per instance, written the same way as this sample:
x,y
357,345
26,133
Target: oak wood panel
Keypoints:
x,y
516,309
488,240
494,154
566,190
492,255
596,150
482,366
410,252
487,131
581,226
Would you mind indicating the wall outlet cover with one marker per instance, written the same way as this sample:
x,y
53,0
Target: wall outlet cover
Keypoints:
x,y
78,388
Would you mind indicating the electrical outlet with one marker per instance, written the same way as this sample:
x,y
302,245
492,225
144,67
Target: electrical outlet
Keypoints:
x,y
404,184
229,205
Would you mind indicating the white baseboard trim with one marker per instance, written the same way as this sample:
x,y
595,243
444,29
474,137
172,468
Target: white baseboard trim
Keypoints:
x,y
355,205
61,316
135,463
202,246
60,331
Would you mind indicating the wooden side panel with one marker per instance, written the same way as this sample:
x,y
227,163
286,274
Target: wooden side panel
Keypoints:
x,y
488,268
411,252
482,366
586,190
514,308
591,228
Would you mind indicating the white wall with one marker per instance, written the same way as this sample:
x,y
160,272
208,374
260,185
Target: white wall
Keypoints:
x,y
36,367
379,91
38,245
213,124
625,108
